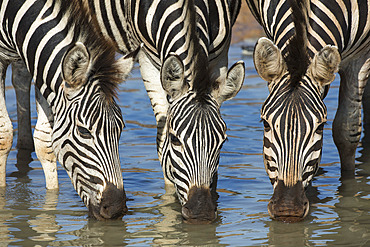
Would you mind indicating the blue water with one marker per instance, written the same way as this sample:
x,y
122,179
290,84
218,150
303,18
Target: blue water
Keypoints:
x,y
30,215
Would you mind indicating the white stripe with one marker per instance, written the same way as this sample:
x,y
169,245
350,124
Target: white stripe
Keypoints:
x,y
318,21
65,42
37,23
123,20
21,12
180,19
222,32
61,25
115,30
4,5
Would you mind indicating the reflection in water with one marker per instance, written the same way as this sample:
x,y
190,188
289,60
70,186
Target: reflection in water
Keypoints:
x,y
346,223
293,234
283,234
45,224
170,229
352,208
18,212
96,233
4,216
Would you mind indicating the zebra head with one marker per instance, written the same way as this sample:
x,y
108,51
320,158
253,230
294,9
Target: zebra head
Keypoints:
x,y
195,134
293,115
87,128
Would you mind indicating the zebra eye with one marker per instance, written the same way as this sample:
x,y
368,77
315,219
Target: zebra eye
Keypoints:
x,y
84,133
266,125
174,140
320,129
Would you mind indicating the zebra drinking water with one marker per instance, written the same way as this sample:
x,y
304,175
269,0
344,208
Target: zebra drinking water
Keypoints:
x,y
76,75
184,68
309,42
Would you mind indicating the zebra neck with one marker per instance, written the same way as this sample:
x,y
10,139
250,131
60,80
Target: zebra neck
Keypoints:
x,y
111,17
41,40
336,23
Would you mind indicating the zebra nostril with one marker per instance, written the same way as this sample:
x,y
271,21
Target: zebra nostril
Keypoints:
x,y
185,213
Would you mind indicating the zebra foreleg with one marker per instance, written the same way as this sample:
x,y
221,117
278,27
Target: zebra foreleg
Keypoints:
x,y
21,80
347,122
43,141
6,127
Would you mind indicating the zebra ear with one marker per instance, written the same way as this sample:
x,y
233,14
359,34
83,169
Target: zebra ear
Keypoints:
x,y
268,60
75,66
126,63
325,64
172,76
232,85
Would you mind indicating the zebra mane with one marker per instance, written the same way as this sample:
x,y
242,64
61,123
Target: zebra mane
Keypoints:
x,y
104,65
296,58
200,63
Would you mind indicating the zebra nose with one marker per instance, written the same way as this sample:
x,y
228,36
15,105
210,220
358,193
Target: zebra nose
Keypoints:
x,y
200,207
288,204
112,205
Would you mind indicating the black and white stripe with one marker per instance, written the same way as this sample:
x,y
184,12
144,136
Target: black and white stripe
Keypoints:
x,y
192,149
292,148
343,24
309,42
76,72
192,38
160,26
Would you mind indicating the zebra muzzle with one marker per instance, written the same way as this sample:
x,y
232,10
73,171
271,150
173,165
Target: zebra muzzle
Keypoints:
x,y
200,207
288,204
112,205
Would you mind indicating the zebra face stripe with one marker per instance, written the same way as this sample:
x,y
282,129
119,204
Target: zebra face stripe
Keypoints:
x,y
293,120
86,137
192,146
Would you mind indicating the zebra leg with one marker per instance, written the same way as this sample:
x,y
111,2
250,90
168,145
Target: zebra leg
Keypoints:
x,y
366,111
158,99
347,122
21,80
43,141
6,127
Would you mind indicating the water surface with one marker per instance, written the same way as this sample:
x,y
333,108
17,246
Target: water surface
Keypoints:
x,y
30,215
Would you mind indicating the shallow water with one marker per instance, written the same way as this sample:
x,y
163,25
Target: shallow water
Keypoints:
x,y
30,215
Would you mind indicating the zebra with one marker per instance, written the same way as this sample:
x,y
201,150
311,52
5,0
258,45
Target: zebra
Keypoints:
x,y
76,75
308,42
184,67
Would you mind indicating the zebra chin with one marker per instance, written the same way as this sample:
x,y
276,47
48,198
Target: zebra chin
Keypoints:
x,y
200,207
112,205
288,204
